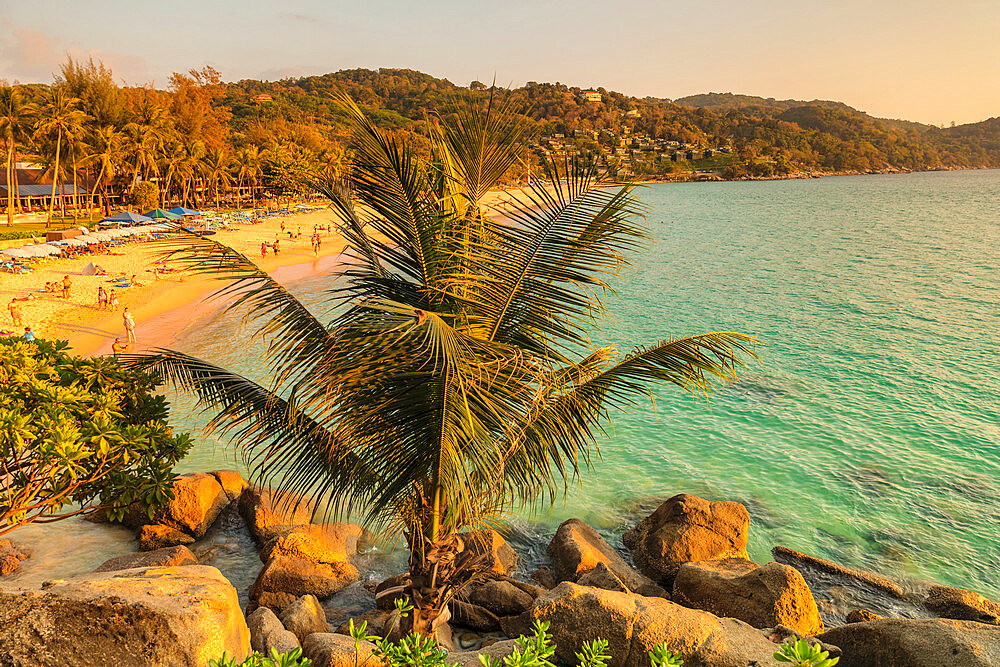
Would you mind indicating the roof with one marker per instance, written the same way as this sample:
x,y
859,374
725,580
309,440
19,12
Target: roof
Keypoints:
x,y
26,190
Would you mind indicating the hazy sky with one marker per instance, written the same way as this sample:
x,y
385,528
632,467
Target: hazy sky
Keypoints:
x,y
933,61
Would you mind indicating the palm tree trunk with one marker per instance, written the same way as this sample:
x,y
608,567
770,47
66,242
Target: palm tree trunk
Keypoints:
x,y
10,189
76,199
97,186
55,179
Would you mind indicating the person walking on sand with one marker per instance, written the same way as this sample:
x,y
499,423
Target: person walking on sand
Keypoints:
x,y
263,250
113,301
275,248
129,325
102,298
66,284
15,311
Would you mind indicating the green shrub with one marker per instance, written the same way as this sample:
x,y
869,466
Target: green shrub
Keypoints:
x,y
660,656
83,432
14,235
144,195
801,654
291,659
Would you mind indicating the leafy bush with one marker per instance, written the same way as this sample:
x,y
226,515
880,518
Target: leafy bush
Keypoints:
x,y
291,659
79,431
801,654
144,195
661,657
14,235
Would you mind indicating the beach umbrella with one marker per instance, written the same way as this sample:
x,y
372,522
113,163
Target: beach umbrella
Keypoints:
x,y
126,216
75,241
160,214
33,251
180,210
15,252
101,236
87,238
41,250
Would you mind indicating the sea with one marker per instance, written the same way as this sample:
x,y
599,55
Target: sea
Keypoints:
x,y
867,432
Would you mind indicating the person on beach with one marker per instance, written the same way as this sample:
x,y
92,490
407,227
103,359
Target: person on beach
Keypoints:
x,y
102,298
15,311
28,334
118,346
263,250
129,325
275,248
66,284
113,301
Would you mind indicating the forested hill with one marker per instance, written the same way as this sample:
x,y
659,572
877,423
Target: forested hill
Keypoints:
x,y
765,135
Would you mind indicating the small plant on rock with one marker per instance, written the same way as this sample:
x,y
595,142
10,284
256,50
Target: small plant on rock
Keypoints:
x,y
532,651
594,654
292,658
661,656
803,654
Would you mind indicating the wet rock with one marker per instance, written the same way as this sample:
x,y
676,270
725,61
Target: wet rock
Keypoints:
x,y
798,560
11,556
498,557
232,483
269,514
861,616
577,549
919,642
763,596
156,617
498,650
962,605
473,616
781,634
389,590
500,597
633,624
304,617
545,577
165,557
327,649
157,536
316,543
687,528
282,580
281,641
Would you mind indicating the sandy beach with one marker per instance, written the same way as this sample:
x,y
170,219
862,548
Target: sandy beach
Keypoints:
x,y
162,306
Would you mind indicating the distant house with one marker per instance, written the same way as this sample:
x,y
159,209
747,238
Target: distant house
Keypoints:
x,y
632,113
592,96
263,97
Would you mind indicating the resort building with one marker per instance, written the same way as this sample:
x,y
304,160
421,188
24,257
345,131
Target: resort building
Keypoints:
x,y
592,96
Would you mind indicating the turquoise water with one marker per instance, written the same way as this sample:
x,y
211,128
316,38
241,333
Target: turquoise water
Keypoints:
x,y
869,430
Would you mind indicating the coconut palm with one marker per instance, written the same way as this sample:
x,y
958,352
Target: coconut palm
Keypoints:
x,y
59,117
215,170
457,379
105,149
248,170
16,119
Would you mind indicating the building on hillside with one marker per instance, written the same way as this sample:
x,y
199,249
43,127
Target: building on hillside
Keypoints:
x,y
263,97
632,113
592,96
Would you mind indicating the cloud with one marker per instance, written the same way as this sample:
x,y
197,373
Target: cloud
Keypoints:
x,y
29,56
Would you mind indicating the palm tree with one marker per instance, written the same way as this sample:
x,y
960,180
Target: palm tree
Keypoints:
x,y
215,169
456,379
106,149
16,119
248,171
59,117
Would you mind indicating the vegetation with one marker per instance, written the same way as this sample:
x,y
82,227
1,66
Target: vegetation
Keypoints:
x,y
292,658
85,433
457,378
801,653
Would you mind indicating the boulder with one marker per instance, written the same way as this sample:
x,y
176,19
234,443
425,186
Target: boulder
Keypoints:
x,y
145,617
198,501
497,555
544,577
304,617
687,528
602,577
843,575
281,641
165,557
157,536
763,596
327,649
232,483
861,616
473,616
577,549
916,642
283,579
262,623
11,556
374,620
316,543
633,624
962,605
500,597
389,589
498,651
269,514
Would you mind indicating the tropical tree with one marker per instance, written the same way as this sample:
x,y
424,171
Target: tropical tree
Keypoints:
x,y
457,378
215,169
105,149
17,116
248,171
59,117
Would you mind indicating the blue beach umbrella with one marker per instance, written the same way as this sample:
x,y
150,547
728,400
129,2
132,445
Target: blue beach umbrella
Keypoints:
x,y
180,210
160,214
127,216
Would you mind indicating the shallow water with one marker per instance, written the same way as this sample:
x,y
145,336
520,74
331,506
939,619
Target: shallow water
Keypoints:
x,y
868,431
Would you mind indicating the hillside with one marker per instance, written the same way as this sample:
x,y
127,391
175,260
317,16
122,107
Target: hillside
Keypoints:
x,y
766,136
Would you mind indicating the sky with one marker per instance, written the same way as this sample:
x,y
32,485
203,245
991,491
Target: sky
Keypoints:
x,y
923,60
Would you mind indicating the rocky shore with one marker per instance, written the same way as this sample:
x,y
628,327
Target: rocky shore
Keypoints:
x,y
685,578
